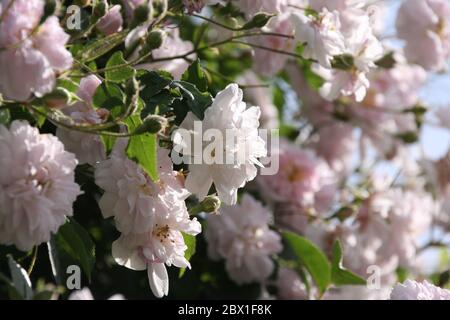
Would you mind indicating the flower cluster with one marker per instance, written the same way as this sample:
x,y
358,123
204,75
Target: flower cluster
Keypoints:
x,y
151,215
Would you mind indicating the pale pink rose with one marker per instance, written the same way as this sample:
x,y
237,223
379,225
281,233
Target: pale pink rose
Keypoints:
x,y
231,165
240,234
336,143
37,187
163,244
87,147
289,285
131,197
172,46
111,22
412,290
321,35
30,63
303,179
424,25
395,88
266,62
409,217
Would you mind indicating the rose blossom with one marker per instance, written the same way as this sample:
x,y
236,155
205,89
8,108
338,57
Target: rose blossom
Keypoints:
x,y
364,48
162,245
29,62
131,197
111,22
321,35
240,234
412,290
37,187
424,25
87,147
289,285
227,113
303,179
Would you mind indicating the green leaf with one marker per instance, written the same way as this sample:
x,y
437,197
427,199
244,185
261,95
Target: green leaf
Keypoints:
x,y
259,20
118,74
195,75
340,275
101,46
142,148
190,242
196,101
20,279
310,256
387,61
343,62
108,96
153,82
67,84
43,295
75,241
5,116
161,102
108,142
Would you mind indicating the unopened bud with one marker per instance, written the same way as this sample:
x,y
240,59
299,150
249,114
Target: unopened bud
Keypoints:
x,y
141,14
100,10
211,204
153,41
152,124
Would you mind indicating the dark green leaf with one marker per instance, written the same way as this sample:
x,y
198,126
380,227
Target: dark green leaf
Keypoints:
x,y
153,82
259,20
5,116
310,256
43,295
340,275
20,279
101,46
196,101
190,242
160,103
120,71
343,62
108,96
387,61
142,148
75,241
195,75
